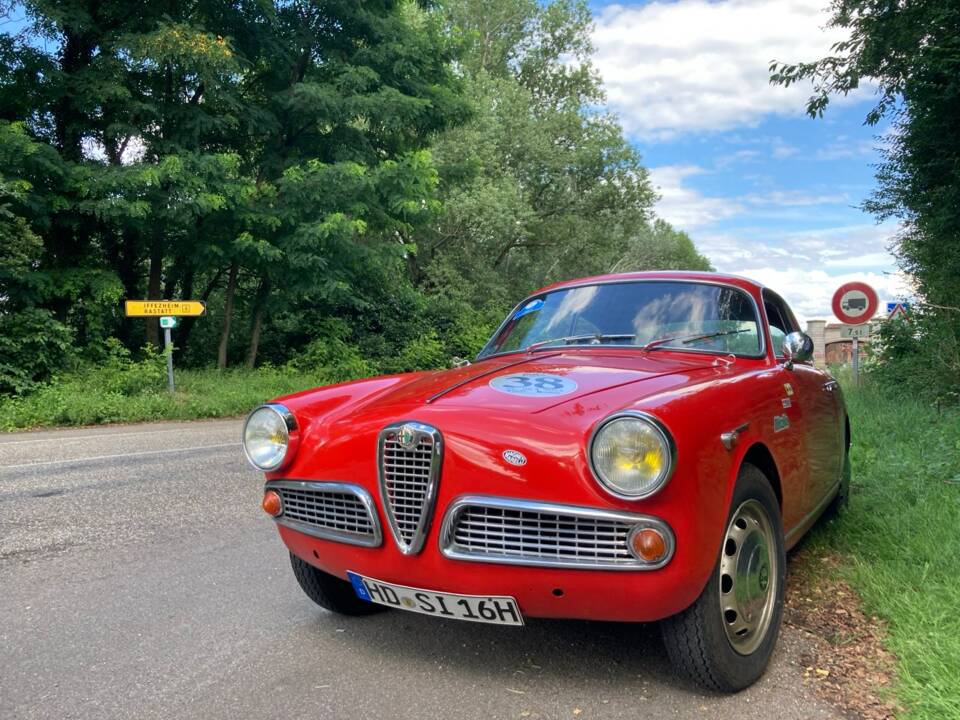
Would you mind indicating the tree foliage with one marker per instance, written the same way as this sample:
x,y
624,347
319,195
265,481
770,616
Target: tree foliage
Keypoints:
x,y
911,51
358,185
540,185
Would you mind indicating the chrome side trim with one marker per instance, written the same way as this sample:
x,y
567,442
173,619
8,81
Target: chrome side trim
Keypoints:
x,y
658,426
450,549
807,521
322,487
430,496
731,437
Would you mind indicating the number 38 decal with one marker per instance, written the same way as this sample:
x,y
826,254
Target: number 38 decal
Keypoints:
x,y
533,384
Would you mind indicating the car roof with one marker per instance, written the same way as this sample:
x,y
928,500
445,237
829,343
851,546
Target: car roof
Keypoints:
x,y
725,278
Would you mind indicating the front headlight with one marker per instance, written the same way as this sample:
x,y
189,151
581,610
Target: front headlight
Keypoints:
x,y
632,454
267,437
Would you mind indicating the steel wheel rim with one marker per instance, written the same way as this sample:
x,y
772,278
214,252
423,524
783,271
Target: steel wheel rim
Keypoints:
x,y
749,577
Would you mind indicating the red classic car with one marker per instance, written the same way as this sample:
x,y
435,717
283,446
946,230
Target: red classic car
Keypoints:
x,y
630,447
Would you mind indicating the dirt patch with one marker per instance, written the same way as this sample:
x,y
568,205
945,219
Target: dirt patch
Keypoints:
x,y
847,662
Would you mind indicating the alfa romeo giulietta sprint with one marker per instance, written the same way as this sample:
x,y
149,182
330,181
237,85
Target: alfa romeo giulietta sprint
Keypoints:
x,y
633,447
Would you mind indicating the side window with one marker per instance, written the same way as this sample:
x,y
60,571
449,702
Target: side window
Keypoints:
x,y
781,320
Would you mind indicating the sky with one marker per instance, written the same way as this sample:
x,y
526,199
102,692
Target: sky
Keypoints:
x,y
764,190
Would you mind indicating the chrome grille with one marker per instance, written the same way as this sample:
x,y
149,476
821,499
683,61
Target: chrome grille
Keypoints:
x,y
409,467
520,532
329,510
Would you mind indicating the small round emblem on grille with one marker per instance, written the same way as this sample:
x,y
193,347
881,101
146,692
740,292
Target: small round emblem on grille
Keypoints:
x,y
514,457
407,437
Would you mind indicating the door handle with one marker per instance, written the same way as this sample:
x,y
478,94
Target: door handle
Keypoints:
x,y
830,386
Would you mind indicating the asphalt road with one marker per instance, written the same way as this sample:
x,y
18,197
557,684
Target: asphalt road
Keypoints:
x,y
140,579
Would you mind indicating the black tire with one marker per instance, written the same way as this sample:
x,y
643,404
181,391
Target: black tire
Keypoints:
x,y
330,592
697,639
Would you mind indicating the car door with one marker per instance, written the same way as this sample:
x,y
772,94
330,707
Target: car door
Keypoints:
x,y
814,392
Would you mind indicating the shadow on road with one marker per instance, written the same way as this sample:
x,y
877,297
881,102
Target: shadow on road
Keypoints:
x,y
588,651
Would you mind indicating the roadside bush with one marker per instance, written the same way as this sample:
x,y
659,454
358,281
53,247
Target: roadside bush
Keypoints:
x,y
462,328
90,397
919,356
119,374
332,356
424,353
34,347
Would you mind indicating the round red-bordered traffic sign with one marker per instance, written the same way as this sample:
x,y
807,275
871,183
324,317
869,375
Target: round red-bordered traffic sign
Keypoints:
x,y
855,303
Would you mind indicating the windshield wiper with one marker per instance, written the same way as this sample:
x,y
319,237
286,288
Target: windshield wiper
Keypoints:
x,y
597,338
690,339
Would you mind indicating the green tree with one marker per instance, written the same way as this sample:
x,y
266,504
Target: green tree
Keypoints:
x,y
661,247
25,331
166,147
541,184
911,51
341,169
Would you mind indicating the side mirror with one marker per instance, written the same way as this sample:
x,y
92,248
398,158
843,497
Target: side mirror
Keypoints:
x,y
797,347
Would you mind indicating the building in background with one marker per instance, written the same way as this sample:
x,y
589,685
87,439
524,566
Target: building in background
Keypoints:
x,y
830,347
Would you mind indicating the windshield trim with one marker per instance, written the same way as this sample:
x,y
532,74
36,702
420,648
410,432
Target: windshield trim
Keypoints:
x,y
762,353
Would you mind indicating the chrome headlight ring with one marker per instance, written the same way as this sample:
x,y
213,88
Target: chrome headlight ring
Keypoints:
x,y
270,437
662,436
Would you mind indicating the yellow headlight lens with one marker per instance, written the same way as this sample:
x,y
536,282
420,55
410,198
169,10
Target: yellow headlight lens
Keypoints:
x,y
632,456
266,438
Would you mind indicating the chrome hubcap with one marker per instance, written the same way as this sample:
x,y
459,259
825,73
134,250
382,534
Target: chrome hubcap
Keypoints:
x,y
748,577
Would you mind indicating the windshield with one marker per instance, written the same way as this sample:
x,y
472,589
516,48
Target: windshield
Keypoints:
x,y
690,316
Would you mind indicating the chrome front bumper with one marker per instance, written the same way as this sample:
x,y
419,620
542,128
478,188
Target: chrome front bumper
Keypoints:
x,y
481,528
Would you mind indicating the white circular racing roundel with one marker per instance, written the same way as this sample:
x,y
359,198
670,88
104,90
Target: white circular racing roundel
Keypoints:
x,y
533,385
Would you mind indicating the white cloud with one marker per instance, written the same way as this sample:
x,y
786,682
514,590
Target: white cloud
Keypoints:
x,y
759,149
783,151
843,148
696,65
688,208
808,292
875,259
683,206
806,267
794,198
863,244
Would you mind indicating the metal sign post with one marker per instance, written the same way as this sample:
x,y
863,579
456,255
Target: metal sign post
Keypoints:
x,y
168,323
856,360
168,346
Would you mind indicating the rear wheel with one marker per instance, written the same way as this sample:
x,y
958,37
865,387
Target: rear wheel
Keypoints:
x,y
328,591
725,639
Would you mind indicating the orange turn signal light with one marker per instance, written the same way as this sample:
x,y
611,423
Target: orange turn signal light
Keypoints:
x,y
271,503
649,545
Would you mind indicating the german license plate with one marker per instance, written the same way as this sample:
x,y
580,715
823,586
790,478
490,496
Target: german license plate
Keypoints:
x,y
496,609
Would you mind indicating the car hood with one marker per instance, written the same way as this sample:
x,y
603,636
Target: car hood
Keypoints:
x,y
537,382
338,422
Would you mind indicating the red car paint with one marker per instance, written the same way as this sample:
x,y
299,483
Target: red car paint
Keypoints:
x,y
698,396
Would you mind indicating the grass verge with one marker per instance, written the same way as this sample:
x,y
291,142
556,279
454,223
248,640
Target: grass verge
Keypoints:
x,y
100,396
900,538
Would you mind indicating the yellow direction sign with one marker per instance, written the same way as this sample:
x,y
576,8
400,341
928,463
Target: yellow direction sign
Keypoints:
x,y
159,308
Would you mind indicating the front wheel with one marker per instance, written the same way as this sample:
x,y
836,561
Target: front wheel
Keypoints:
x,y
725,639
328,591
